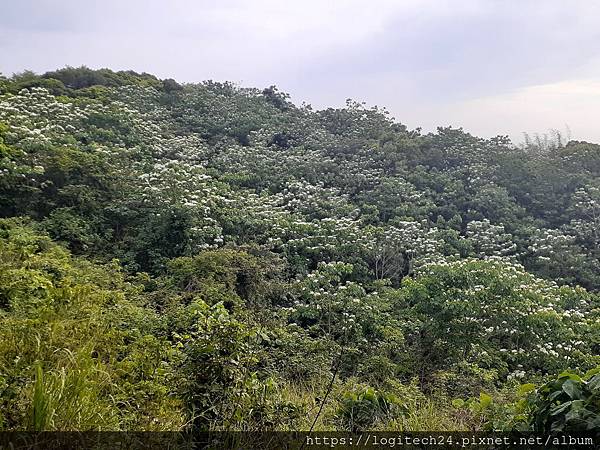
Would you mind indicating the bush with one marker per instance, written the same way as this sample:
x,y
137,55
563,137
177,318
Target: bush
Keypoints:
x,y
567,404
363,408
76,346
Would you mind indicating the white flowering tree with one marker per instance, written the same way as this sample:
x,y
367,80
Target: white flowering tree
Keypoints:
x,y
497,316
556,254
402,248
396,197
586,206
328,305
489,240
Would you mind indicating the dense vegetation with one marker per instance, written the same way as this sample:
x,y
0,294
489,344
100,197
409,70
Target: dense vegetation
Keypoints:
x,y
203,254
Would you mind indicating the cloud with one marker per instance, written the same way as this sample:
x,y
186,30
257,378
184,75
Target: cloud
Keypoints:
x,y
464,53
566,105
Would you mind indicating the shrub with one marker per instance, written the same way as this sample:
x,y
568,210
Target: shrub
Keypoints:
x,y
567,404
362,409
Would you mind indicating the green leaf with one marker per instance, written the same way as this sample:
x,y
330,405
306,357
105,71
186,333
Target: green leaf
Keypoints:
x,y
594,383
590,373
570,376
526,388
555,395
484,400
574,414
559,408
572,389
458,403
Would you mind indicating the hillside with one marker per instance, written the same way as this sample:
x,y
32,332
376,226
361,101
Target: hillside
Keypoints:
x,y
206,254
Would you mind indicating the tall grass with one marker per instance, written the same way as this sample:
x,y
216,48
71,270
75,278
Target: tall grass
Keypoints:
x,y
70,397
42,411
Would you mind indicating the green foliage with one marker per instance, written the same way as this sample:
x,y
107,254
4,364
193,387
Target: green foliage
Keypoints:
x,y
566,404
67,327
360,410
217,364
205,254
235,275
498,317
82,77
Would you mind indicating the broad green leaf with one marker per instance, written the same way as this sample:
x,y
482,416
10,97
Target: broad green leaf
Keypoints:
x,y
570,375
594,383
559,408
485,400
572,389
526,388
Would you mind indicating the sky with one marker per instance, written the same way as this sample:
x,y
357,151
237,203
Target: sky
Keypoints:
x,y
492,67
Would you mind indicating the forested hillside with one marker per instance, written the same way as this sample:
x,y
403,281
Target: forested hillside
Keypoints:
x,y
208,255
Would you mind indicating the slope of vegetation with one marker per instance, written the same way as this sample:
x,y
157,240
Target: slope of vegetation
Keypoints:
x,y
208,255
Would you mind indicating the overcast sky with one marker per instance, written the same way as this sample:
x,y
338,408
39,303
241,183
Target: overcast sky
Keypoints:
x,y
491,67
